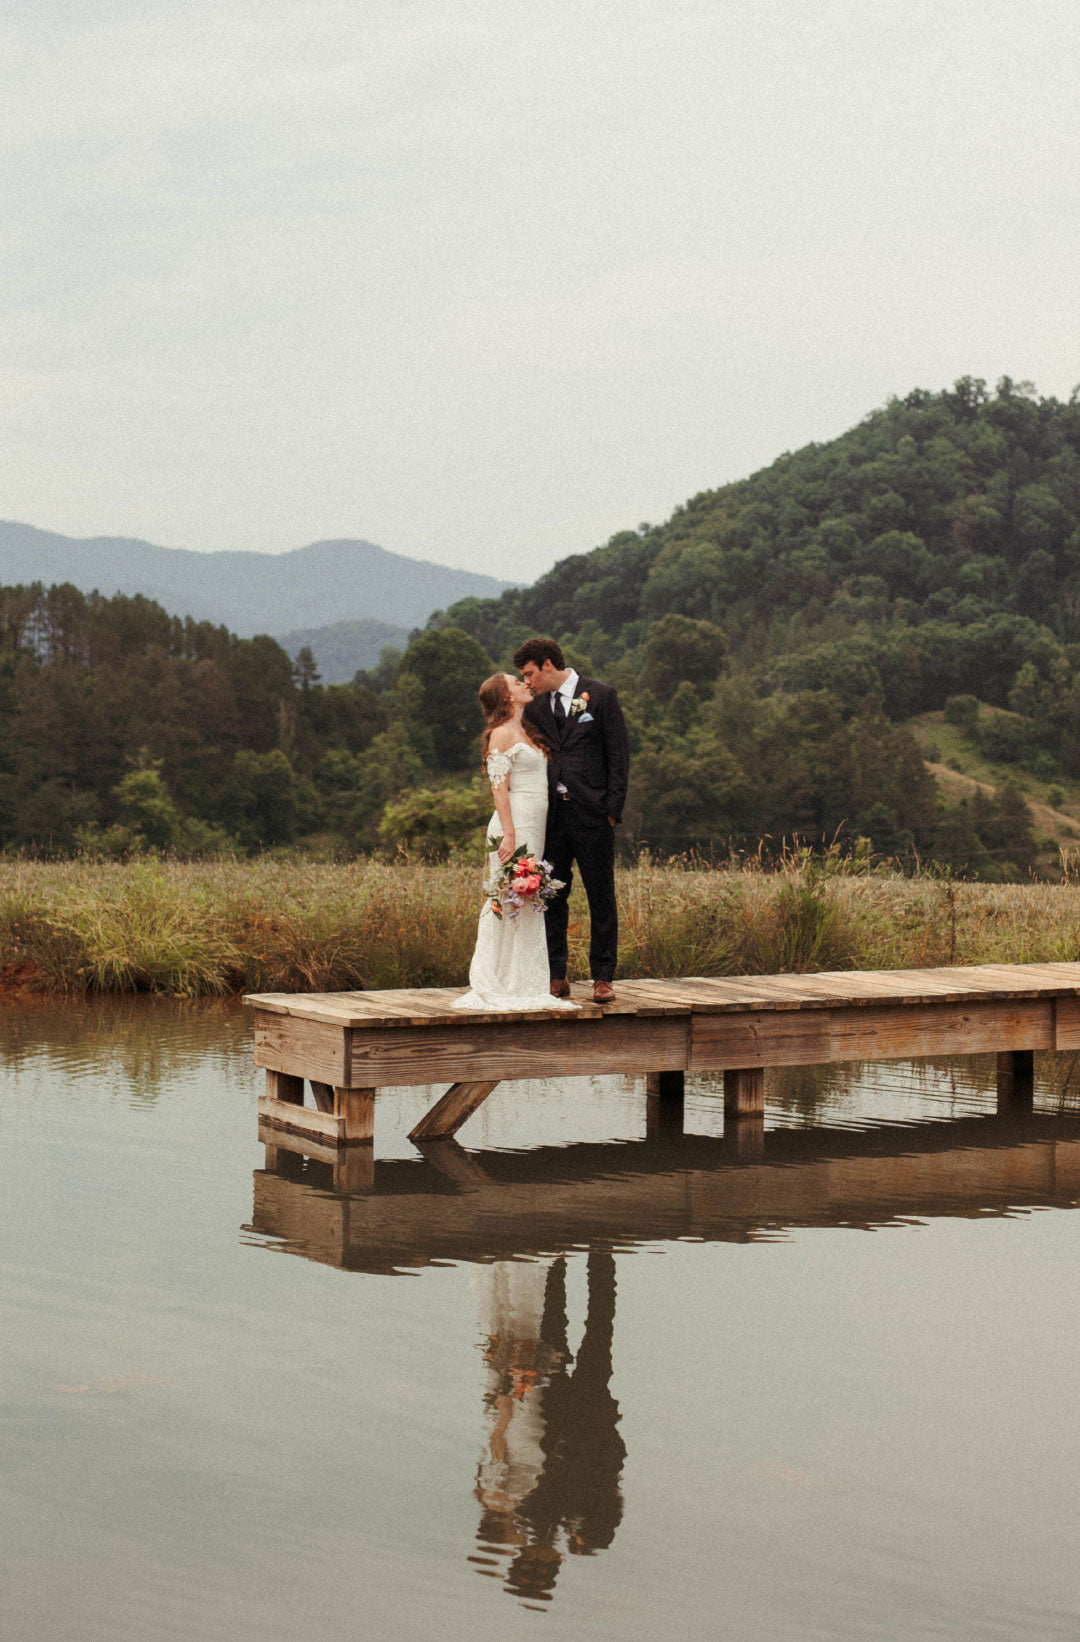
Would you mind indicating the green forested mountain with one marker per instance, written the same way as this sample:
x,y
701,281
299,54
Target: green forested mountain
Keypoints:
x,y
788,649
773,635
940,513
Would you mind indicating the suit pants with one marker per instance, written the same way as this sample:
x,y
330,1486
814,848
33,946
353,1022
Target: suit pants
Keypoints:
x,y
570,839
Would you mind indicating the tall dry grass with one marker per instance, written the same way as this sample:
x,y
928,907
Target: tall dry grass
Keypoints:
x,y
190,929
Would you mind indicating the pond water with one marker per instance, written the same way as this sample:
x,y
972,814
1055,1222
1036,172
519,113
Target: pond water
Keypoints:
x,y
569,1379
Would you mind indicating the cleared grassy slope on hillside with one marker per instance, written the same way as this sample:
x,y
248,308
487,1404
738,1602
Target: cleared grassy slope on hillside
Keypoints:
x,y
960,769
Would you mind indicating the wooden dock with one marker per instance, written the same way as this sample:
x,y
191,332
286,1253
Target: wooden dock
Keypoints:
x,y
348,1045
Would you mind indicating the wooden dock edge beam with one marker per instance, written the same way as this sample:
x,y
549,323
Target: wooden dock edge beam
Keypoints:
x,y
301,1120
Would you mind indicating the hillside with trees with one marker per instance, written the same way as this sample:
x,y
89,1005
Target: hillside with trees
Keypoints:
x,y
123,729
796,654
773,639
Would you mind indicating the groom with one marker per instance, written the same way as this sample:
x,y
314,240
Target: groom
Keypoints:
x,y
581,721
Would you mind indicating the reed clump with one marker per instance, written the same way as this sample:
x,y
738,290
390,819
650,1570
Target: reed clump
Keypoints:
x,y
277,924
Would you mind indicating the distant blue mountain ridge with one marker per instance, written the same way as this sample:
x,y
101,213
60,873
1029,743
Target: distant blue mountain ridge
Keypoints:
x,y
324,584
344,647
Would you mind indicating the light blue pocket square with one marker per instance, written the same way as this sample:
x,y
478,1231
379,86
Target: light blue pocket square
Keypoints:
x,y
585,718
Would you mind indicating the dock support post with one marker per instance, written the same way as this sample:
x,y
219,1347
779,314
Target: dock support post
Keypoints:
x,y
746,1136
744,1110
744,1091
666,1085
1016,1080
354,1168
664,1105
357,1107
283,1086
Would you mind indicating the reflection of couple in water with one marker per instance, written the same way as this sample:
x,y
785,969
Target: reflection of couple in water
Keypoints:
x,y
549,1479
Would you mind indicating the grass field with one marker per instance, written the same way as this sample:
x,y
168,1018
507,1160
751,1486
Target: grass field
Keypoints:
x,y
282,925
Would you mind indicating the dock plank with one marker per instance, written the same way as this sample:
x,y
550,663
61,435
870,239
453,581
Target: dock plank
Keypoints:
x,y
823,989
646,998
1017,979
854,991
737,992
384,1009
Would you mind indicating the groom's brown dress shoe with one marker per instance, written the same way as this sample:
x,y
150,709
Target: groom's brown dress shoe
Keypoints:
x,y
603,992
560,988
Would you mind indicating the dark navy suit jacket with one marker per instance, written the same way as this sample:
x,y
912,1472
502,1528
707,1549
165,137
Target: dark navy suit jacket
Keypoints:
x,y
590,752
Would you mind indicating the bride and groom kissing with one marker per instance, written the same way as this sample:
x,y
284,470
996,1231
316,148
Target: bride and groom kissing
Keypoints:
x,y
556,753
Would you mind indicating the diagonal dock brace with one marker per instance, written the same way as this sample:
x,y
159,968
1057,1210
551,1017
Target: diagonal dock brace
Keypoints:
x,y
448,1114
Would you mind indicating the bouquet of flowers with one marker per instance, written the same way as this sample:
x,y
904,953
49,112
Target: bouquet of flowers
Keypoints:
x,y
523,881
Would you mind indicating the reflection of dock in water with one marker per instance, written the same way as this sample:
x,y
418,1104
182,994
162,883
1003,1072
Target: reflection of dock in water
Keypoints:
x,y
482,1206
548,1484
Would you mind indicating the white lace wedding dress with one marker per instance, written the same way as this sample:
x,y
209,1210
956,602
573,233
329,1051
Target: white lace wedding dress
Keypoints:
x,y
509,968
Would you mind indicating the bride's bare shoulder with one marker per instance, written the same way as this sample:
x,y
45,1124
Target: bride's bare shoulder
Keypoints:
x,y
503,738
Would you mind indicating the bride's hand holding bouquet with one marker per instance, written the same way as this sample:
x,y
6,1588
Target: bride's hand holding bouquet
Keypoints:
x,y
523,880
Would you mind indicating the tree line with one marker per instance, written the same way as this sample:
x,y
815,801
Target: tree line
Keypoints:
x,y
770,642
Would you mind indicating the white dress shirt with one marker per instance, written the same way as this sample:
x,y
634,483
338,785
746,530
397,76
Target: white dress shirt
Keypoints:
x,y
568,690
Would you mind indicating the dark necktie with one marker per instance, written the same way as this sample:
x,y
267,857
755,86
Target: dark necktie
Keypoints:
x,y
559,708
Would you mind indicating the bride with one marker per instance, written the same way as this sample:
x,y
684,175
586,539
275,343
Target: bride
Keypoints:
x,y
509,968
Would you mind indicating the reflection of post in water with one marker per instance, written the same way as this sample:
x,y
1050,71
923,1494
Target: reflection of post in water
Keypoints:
x,y
549,1481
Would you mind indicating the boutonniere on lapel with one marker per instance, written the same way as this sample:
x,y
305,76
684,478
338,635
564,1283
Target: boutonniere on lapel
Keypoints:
x,y
579,708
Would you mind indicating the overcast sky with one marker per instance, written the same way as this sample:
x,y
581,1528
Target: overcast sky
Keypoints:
x,y
485,282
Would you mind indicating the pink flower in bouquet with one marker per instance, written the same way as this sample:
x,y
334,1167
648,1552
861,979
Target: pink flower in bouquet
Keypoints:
x,y
523,881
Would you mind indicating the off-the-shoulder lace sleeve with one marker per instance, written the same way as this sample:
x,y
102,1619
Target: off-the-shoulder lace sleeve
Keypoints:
x,y
499,766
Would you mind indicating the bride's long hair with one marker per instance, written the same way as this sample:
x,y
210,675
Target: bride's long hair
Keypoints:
x,y
494,698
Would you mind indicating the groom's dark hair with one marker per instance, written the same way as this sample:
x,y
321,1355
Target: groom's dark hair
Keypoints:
x,y
539,651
